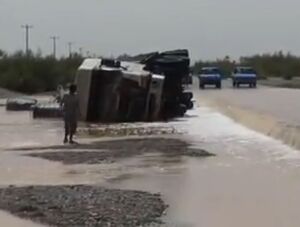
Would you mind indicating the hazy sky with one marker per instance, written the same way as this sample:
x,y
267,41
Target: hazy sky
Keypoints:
x,y
208,28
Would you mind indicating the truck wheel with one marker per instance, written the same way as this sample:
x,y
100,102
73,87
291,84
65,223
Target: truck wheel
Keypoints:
x,y
254,85
181,110
190,105
234,84
201,86
218,85
186,96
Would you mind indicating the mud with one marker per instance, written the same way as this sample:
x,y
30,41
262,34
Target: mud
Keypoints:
x,y
111,151
82,205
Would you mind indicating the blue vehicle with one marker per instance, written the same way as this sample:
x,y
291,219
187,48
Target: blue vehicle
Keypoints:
x,y
210,76
244,75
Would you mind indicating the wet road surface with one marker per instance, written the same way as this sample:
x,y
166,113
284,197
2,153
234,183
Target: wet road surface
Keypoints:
x,y
282,103
272,111
253,180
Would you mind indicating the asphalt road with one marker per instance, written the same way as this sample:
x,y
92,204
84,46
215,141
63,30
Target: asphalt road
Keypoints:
x,y
270,110
281,103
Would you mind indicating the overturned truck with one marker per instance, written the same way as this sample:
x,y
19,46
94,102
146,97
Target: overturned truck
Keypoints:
x,y
146,88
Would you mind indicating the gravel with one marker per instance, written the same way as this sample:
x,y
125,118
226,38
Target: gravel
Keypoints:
x,y
111,130
81,205
111,151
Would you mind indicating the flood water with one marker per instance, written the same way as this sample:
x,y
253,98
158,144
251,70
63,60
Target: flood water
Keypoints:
x,y
253,181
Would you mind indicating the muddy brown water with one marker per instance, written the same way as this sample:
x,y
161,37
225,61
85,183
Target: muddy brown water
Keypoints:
x,y
253,180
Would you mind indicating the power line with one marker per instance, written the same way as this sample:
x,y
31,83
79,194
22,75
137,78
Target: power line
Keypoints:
x,y
27,27
54,38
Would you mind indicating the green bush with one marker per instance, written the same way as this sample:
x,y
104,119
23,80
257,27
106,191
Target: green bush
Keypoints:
x,y
34,73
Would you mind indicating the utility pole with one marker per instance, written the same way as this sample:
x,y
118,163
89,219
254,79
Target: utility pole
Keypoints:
x,y
27,27
54,38
70,44
81,51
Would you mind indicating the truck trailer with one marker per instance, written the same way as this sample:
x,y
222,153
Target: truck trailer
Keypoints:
x,y
148,89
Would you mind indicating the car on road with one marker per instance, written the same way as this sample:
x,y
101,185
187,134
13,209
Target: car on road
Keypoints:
x,y
210,76
244,75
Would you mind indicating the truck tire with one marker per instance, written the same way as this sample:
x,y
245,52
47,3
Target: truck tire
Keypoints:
x,y
218,85
190,105
181,110
202,86
189,95
186,97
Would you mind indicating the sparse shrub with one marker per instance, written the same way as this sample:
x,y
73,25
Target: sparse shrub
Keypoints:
x,y
36,73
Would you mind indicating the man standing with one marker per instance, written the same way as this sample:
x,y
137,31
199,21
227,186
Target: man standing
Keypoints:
x,y
70,106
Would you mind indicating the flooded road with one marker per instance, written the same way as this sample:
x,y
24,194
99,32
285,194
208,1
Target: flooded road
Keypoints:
x,y
254,180
272,111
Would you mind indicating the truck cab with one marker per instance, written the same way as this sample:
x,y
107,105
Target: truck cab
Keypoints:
x,y
210,76
244,75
